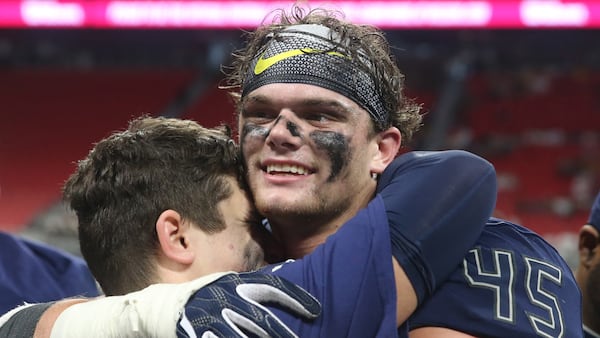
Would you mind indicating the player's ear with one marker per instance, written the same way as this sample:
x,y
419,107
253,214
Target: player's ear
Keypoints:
x,y
174,237
387,146
589,245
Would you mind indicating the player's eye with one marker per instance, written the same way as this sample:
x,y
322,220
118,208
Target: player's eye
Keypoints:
x,y
257,116
319,117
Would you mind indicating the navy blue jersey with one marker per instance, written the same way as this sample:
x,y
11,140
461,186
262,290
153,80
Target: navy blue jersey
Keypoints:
x,y
35,273
431,196
352,276
512,283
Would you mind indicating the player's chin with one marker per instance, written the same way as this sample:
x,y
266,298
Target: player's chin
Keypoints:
x,y
270,193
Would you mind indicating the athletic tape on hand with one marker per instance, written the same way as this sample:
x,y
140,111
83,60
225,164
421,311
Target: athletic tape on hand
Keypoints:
x,y
151,312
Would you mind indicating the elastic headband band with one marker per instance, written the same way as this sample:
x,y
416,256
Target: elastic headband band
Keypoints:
x,y
313,54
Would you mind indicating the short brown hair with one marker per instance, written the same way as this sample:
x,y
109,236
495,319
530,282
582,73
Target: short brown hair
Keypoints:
x,y
129,178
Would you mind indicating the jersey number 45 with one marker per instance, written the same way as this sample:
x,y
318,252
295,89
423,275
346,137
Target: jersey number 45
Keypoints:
x,y
519,282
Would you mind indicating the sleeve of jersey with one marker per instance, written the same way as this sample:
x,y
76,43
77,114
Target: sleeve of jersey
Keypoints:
x,y
351,275
437,204
21,321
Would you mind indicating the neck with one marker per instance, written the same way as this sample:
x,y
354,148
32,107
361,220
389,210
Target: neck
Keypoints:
x,y
169,271
299,236
295,246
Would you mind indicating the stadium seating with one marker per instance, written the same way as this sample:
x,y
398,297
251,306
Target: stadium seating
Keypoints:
x,y
542,138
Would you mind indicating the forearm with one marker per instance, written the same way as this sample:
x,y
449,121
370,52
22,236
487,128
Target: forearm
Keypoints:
x,y
152,312
406,299
437,204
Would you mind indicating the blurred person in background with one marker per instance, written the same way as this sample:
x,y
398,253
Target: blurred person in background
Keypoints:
x,y
42,263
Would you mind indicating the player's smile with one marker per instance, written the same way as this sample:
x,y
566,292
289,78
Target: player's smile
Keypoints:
x,y
283,169
279,172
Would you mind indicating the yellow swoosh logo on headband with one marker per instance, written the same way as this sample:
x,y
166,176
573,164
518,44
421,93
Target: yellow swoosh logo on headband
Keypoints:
x,y
263,64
